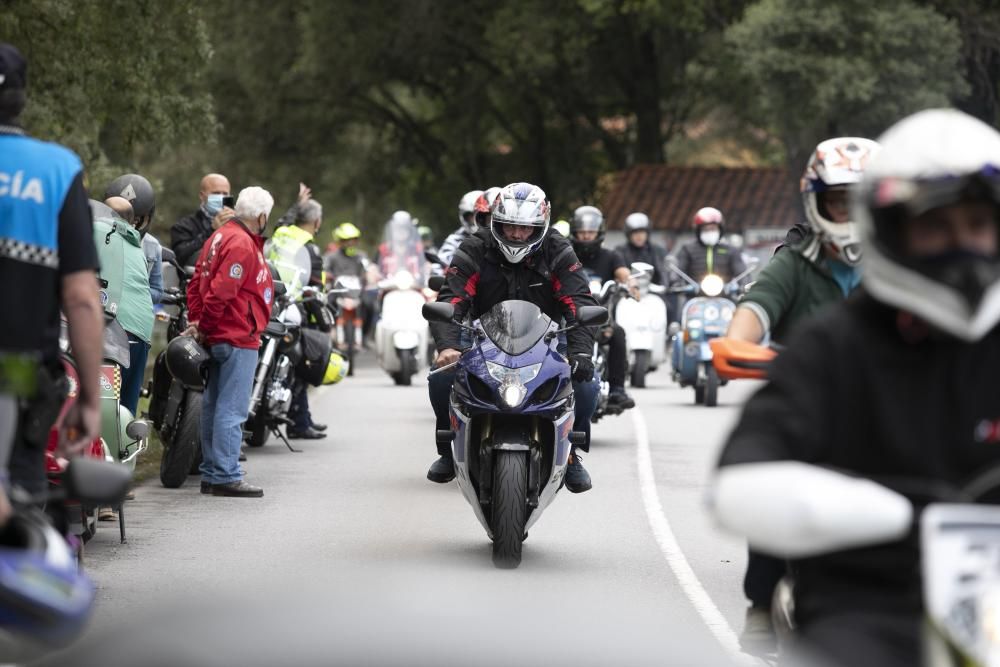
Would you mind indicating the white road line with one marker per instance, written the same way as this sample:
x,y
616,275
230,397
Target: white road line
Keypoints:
x,y
673,554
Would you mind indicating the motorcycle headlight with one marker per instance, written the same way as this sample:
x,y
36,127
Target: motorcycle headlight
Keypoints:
x,y
523,375
712,285
513,392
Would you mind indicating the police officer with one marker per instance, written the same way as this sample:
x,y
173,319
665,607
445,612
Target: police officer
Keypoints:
x,y
47,261
513,256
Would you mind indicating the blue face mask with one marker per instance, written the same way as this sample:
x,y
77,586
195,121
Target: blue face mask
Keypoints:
x,y
213,204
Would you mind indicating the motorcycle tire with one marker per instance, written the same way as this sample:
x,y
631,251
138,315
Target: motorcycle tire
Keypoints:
x,y
407,367
196,463
640,368
699,394
711,387
180,452
257,425
509,507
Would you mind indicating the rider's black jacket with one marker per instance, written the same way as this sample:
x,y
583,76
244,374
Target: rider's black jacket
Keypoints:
x,y
870,391
650,254
697,260
604,263
479,277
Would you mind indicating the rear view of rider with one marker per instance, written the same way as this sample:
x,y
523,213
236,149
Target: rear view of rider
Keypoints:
x,y
514,256
639,247
893,386
467,225
587,235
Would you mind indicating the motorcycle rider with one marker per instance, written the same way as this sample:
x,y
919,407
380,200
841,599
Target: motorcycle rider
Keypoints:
x,y
299,227
639,248
513,255
708,253
896,382
586,235
467,225
135,312
816,271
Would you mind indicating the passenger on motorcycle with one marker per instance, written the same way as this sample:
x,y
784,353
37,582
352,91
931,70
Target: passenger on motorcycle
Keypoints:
x,y
515,256
817,270
639,247
467,225
299,227
893,384
587,234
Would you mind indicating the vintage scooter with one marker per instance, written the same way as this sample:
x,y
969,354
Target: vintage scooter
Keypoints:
x,y
644,319
704,317
511,410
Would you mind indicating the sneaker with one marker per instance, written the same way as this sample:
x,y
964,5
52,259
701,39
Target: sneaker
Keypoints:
x,y
619,399
577,477
758,637
238,489
442,470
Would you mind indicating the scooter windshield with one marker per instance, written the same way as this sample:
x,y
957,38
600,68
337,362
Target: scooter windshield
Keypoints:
x,y
515,326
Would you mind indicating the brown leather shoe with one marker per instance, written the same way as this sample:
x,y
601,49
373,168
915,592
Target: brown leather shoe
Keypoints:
x,y
238,489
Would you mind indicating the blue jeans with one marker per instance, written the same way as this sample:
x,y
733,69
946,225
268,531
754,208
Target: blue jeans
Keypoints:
x,y
138,350
224,408
439,388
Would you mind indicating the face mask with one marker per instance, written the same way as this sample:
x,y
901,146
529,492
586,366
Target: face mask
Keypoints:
x,y
213,204
710,237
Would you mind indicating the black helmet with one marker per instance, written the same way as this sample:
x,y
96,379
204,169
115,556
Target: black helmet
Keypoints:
x,y
587,219
139,192
186,360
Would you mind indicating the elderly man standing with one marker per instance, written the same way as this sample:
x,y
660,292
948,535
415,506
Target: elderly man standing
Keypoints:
x,y
229,300
190,233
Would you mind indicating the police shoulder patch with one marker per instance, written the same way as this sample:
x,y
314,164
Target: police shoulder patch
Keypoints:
x,y
236,271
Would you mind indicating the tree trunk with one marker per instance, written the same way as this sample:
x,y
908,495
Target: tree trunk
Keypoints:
x,y
646,102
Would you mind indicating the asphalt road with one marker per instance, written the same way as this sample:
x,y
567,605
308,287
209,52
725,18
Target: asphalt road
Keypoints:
x,y
353,557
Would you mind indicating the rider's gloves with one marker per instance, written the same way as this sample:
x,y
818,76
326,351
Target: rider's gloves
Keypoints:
x,y
582,367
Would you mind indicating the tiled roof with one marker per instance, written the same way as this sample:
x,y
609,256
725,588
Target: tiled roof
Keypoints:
x,y
670,196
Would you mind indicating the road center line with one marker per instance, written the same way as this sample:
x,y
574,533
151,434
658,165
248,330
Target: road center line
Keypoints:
x,y
672,552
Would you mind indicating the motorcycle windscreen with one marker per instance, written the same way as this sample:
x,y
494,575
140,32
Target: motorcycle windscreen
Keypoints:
x,y
515,326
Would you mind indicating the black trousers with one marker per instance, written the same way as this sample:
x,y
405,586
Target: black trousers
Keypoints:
x,y
858,638
762,576
617,358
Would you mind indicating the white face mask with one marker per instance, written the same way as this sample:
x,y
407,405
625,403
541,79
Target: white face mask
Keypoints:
x,y
710,236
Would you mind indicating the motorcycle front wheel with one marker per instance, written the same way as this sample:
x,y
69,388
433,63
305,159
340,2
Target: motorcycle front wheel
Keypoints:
x,y
178,455
407,367
711,387
510,507
257,425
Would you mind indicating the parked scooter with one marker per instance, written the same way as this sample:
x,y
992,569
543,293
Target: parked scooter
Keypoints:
x,y
512,414
704,317
644,319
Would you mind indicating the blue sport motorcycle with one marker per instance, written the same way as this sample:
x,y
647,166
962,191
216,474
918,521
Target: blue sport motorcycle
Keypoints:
x,y
511,410
704,317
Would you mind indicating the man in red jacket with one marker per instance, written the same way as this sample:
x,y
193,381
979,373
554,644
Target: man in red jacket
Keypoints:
x,y
229,300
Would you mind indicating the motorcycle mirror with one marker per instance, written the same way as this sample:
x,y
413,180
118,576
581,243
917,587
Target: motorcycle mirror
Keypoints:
x,y
592,315
137,429
433,258
439,312
436,283
96,482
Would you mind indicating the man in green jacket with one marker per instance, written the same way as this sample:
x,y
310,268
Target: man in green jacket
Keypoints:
x,y
809,274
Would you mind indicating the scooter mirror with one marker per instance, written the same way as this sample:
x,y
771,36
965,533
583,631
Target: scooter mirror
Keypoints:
x,y
436,283
441,312
137,429
96,482
592,315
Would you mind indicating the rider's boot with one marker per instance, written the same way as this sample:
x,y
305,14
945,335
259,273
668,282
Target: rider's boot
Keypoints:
x,y
577,477
619,399
442,470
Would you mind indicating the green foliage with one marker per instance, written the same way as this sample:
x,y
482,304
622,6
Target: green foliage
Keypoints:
x,y
810,69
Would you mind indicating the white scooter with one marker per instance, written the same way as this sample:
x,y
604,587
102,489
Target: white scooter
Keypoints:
x,y
401,334
644,319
